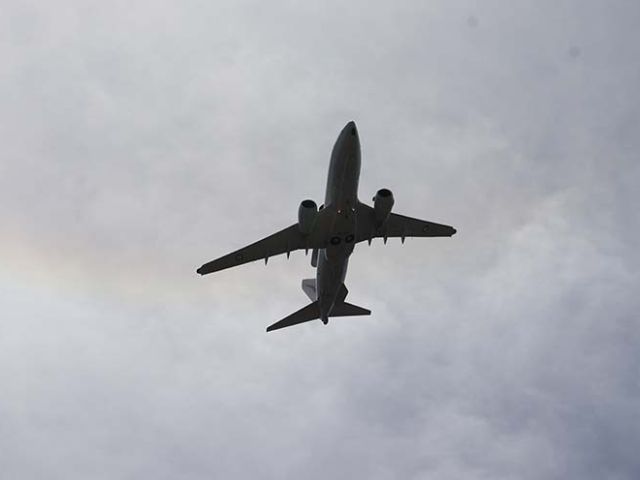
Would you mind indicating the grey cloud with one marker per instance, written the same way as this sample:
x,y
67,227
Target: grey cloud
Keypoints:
x,y
140,140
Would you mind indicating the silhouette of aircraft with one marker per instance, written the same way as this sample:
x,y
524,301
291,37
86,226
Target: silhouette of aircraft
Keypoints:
x,y
331,232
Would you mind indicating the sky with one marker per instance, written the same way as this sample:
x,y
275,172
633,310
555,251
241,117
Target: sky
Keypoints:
x,y
141,139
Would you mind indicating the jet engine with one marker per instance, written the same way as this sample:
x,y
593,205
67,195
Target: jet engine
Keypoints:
x,y
382,205
307,214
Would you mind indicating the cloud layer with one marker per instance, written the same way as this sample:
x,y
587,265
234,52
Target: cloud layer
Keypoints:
x,y
140,140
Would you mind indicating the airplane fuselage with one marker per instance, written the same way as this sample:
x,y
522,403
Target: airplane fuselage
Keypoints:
x,y
340,202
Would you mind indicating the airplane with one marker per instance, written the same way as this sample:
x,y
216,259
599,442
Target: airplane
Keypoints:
x,y
331,232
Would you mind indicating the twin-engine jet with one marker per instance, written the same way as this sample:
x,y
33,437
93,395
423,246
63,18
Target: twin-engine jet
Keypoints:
x,y
331,232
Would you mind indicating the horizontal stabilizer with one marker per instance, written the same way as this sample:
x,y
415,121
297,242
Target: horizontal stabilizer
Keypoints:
x,y
348,310
312,311
306,314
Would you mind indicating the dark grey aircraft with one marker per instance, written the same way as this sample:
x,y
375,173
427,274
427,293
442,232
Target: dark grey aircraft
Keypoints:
x,y
331,232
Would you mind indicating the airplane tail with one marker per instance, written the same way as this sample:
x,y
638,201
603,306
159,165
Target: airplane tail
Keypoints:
x,y
312,311
309,287
306,314
345,309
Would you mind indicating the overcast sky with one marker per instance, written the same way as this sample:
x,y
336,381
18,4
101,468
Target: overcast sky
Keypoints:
x,y
142,139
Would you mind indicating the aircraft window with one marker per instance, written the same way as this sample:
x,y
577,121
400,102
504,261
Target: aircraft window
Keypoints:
x,y
335,240
349,238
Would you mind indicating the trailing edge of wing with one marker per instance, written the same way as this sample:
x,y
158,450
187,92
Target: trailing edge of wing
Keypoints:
x,y
284,241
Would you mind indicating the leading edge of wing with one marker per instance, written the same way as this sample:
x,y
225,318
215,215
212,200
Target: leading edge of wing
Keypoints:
x,y
284,241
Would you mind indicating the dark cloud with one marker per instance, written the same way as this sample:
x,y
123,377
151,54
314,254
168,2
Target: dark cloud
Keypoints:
x,y
140,140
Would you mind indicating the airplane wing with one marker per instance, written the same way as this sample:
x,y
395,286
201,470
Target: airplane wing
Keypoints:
x,y
397,226
284,241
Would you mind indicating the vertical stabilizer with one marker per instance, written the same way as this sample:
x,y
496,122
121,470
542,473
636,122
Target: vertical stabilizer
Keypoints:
x,y
309,287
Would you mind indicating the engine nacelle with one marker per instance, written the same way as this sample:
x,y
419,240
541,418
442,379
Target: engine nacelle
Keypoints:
x,y
307,214
382,205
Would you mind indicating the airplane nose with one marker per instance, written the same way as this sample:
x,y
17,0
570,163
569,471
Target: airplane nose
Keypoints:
x,y
351,128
